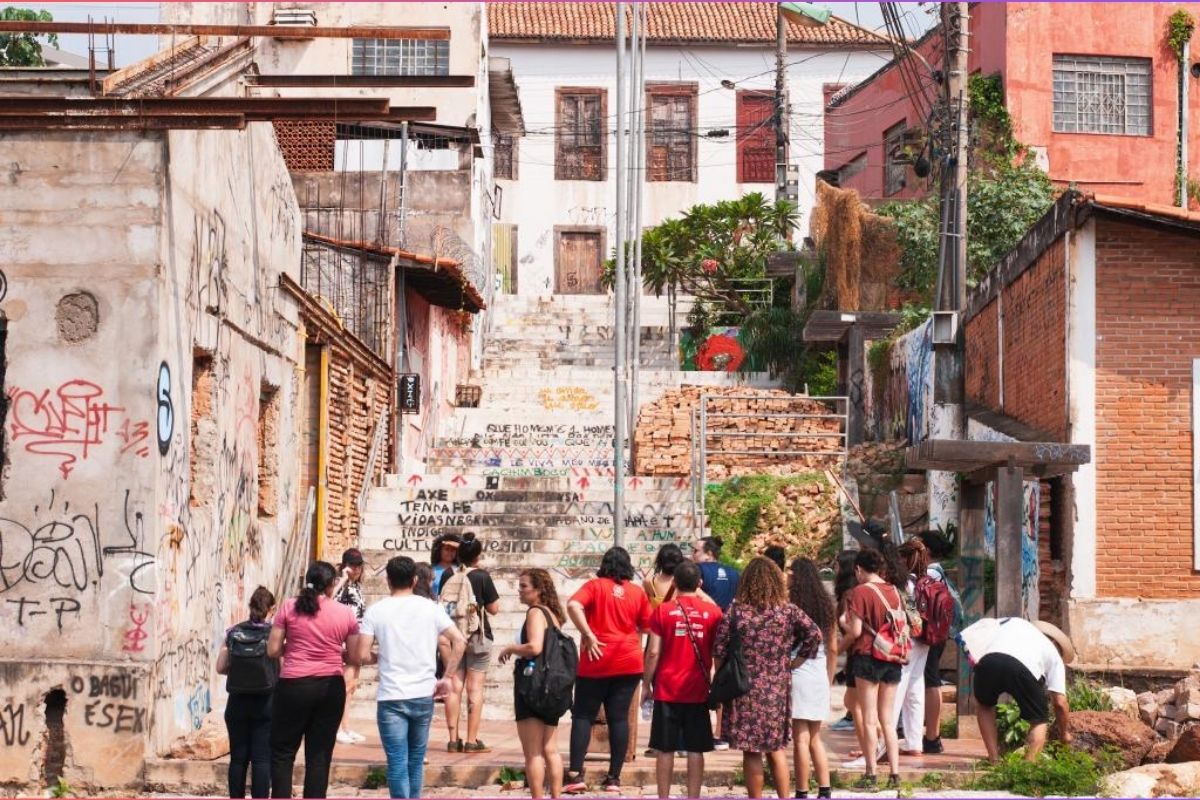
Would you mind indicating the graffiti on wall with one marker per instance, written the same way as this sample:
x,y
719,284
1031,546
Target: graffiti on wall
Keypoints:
x,y
718,350
166,409
567,398
916,348
70,421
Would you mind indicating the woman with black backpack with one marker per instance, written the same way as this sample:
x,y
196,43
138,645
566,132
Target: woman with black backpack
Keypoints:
x,y
537,728
250,680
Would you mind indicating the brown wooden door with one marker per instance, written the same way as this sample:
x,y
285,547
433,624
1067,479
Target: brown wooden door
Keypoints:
x,y
577,263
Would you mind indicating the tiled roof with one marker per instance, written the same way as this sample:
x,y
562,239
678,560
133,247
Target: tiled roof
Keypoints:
x,y
709,22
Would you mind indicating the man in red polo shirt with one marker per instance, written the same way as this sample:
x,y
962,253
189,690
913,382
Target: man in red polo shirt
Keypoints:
x,y
678,666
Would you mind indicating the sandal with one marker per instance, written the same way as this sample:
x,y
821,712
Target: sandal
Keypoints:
x,y
476,747
455,746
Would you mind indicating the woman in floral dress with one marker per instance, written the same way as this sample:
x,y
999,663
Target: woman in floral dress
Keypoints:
x,y
773,633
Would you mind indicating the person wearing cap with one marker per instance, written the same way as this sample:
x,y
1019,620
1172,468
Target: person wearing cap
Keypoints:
x,y
1026,660
349,593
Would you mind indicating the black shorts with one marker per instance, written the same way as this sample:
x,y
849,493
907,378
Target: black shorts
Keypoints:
x,y
524,712
681,726
933,675
872,669
1000,673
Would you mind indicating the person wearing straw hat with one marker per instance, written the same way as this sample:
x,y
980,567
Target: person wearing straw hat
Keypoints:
x,y
1026,660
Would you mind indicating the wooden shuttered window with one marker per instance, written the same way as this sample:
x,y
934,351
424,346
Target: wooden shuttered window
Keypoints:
x,y
755,137
671,132
579,152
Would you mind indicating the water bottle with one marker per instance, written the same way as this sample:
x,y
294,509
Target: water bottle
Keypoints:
x,y
647,709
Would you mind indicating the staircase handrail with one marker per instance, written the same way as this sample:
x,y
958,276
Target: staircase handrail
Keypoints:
x,y
372,458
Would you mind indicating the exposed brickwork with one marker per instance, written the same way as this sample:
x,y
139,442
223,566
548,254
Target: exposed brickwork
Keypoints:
x,y
306,145
1147,333
1034,329
355,399
268,451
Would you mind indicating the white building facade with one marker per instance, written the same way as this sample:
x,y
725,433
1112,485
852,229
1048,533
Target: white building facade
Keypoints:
x,y
713,143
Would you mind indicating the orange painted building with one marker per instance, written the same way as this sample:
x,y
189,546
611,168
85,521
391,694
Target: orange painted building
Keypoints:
x,y
1092,88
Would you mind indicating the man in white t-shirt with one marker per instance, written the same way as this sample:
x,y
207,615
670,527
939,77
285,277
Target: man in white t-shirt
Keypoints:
x,y
408,628
1026,660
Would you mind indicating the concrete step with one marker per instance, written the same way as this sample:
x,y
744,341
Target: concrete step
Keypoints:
x,y
575,487
591,512
517,554
516,521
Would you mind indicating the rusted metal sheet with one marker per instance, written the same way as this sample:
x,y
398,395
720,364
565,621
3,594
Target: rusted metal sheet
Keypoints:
x,y
273,31
106,122
364,81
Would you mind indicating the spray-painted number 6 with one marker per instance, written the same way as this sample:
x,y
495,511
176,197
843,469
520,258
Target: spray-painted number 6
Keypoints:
x,y
166,410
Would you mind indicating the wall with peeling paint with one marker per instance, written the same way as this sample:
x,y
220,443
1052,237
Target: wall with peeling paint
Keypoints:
x,y
142,501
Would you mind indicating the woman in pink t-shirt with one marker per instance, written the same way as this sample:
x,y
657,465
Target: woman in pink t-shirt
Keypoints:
x,y
311,631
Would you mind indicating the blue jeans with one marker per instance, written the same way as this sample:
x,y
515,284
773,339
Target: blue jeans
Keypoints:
x,y
404,730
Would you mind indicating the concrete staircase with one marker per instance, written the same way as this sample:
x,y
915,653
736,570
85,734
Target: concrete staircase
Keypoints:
x,y
530,470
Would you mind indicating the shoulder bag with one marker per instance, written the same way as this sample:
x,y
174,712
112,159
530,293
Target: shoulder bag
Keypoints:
x,y
732,680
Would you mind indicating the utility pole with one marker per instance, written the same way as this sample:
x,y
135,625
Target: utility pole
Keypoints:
x,y
637,182
947,419
781,139
619,408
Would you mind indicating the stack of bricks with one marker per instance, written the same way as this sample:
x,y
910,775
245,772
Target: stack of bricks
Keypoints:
x,y
306,146
662,443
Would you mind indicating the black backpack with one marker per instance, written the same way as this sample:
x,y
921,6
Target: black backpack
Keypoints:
x,y
250,670
548,690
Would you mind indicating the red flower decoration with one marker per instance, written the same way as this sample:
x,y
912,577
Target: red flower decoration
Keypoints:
x,y
709,265
719,353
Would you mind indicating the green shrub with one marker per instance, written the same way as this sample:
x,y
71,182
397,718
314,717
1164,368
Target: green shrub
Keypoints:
x,y
933,781
1059,771
1086,695
734,507
949,728
510,775
62,789
1012,729
376,778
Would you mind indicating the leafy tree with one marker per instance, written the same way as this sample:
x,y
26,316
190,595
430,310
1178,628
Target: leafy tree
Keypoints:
x,y
23,49
711,250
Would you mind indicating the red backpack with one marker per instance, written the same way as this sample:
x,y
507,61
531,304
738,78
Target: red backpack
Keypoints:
x,y
937,608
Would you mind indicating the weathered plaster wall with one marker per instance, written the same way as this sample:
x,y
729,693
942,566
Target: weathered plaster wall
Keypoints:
x,y
132,524
1113,632
77,551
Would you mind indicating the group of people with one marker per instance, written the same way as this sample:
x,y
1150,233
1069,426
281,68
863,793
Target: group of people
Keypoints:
x,y
759,648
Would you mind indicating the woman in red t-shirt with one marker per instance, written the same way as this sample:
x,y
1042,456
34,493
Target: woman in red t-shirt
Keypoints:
x,y
610,612
875,680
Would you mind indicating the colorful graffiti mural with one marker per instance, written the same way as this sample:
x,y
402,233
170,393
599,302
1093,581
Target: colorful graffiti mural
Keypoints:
x,y
721,349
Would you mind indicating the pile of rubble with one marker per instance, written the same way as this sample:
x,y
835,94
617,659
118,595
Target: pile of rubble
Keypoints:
x,y
662,441
1172,711
877,466
801,519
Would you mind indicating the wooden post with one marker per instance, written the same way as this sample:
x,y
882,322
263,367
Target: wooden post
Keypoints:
x,y
1010,512
855,382
971,558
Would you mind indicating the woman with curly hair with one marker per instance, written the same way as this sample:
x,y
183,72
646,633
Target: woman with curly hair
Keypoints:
x,y
811,678
772,633
538,734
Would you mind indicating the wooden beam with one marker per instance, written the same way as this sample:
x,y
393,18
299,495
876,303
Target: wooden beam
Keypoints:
x,y
971,558
1010,516
955,455
273,31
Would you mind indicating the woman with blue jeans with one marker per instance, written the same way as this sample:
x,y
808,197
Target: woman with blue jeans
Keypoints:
x,y
409,629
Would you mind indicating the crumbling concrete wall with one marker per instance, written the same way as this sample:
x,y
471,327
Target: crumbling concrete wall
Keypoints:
x,y
122,560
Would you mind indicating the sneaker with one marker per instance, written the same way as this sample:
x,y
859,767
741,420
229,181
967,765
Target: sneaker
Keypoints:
x,y
455,746
355,736
476,747
824,791
843,724
343,737
573,783
611,785
720,744
893,781
932,746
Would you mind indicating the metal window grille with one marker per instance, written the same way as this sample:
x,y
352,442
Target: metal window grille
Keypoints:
x,y
505,156
895,169
1102,94
400,57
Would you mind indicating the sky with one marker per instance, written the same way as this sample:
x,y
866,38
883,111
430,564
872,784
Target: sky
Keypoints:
x,y
917,18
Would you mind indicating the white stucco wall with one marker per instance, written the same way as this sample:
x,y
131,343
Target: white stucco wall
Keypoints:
x,y
536,202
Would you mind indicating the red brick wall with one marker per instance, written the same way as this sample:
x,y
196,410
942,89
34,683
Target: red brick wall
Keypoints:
x,y
1035,324
306,146
1147,333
